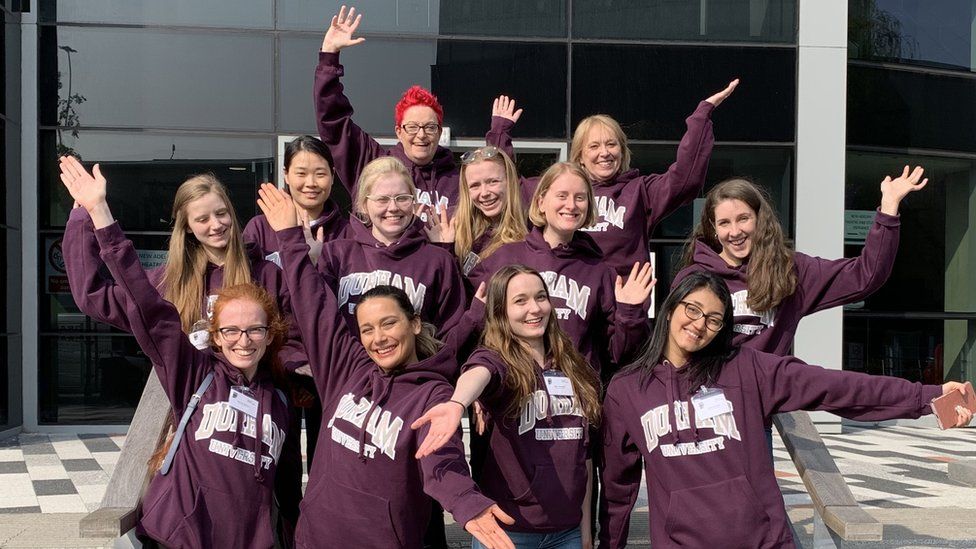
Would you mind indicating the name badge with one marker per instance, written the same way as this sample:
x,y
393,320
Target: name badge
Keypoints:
x,y
469,263
557,383
200,334
709,403
241,399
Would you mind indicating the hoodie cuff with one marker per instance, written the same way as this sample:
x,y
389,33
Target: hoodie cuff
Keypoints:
x,y
81,215
926,395
630,314
704,110
470,506
886,220
500,124
109,237
329,59
291,235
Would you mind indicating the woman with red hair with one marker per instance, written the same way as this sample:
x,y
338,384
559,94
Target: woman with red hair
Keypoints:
x,y
419,120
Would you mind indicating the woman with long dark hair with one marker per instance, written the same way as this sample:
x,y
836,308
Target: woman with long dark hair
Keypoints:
x,y
692,409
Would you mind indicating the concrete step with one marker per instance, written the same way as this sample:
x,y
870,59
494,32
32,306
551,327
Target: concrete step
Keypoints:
x,y
951,527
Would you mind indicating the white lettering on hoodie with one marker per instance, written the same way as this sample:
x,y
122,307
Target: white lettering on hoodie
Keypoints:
x,y
577,296
539,405
382,427
740,308
611,214
359,283
656,424
220,417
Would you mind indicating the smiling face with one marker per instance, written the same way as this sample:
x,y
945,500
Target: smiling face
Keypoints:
x,y
390,338
389,220
687,336
564,205
486,187
420,147
209,219
243,353
735,225
601,154
527,306
309,179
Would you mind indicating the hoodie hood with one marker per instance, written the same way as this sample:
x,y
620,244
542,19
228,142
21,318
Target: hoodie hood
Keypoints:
x,y
410,241
712,261
441,165
582,244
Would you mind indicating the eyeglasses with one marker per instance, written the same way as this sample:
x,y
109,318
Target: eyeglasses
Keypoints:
x,y
412,128
254,333
484,153
401,200
713,322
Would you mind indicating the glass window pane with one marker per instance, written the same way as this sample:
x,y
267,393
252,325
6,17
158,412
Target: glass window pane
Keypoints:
x,y
402,16
4,382
212,13
10,65
148,78
935,34
927,350
145,169
453,69
10,174
937,252
770,167
706,20
90,380
653,102
504,17
12,291
897,108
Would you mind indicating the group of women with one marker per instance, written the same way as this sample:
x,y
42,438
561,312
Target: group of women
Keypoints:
x,y
455,285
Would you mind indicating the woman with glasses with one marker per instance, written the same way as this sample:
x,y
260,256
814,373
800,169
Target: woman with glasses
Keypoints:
x,y
387,245
489,210
691,410
600,312
223,471
419,120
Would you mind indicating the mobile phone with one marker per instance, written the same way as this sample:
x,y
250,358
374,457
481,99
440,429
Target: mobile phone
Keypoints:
x,y
944,407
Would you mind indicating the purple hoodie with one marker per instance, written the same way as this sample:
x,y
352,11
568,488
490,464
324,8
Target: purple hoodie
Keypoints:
x,y
427,273
536,467
352,148
332,224
365,488
710,482
581,289
215,480
821,284
630,205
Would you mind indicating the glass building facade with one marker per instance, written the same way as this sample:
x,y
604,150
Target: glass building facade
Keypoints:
x,y
155,91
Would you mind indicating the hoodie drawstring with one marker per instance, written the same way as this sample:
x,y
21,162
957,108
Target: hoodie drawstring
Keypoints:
x,y
379,392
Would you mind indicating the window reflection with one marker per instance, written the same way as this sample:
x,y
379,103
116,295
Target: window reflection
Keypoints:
x,y
503,17
926,350
402,17
212,13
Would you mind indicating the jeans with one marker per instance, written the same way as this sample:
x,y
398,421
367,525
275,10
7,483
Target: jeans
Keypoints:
x,y
567,539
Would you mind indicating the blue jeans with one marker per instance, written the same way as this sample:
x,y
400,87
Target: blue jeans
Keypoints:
x,y
567,539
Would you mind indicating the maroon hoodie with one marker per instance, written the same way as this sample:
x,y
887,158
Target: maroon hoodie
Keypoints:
x,y
630,205
536,467
332,224
820,284
365,487
216,493
581,289
710,482
352,148
427,273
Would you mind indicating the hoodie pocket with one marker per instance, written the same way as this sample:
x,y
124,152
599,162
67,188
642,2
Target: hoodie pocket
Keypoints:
x,y
342,516
219,519
559,496
724,514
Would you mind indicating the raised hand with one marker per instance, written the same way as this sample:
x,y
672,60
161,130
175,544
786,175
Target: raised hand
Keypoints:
x,y
341,29
504,107
315,242
277,207
87,190
638,286
444,420
480,414
481,294
485,528
894,190
724,94
963,415
438,227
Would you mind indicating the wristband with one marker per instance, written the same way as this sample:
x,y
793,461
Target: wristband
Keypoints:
x,y
459,403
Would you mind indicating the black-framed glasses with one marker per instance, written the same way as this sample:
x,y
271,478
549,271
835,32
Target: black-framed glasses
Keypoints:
x,y
713,321
254,333
484,153
383,200
412,128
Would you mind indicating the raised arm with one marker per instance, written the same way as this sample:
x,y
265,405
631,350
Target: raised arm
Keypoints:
x,y
628,326
504,115
685,178
351,147
332,351
621,476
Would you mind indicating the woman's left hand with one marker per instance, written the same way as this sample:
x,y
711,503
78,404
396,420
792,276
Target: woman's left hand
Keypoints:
x,y
721,96
439,227
963,415
894,190
277,206
444,420
315,242
638,286
504,107
485,529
